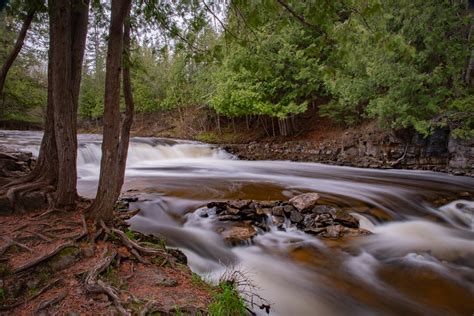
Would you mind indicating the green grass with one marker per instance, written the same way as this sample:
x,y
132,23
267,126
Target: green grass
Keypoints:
x,y
3,294
227,302
130,234
177,311
198,281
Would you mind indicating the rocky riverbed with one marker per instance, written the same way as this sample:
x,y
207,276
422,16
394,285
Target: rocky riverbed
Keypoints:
x,y
238,221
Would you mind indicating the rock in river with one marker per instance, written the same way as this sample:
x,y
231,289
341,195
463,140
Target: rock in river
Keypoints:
x,y
243,218
305,201
238,234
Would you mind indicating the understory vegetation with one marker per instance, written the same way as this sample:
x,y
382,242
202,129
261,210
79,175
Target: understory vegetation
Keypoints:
x,y
402,63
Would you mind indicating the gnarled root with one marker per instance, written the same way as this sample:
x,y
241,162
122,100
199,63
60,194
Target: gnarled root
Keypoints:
x,y
16,194
43,258
94,285
137,249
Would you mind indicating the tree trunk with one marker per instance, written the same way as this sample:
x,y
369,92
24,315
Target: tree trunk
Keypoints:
x,y
218,120
16,49
129,105
109,188
470,64
273,127
55,170
69,30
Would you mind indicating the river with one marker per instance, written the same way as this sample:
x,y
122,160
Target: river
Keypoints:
x,y
418,261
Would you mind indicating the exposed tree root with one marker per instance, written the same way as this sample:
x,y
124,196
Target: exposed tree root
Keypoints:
x,y
16,243
149,307
127,215
85,230
38,293
16,192
51,211
43,258
133,245
40,236
124,258
47,303
94,285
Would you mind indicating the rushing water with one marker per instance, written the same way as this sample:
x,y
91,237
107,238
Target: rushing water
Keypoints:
x,y
418,261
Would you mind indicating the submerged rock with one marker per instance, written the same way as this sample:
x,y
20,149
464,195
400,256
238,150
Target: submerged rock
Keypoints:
x,y
238,235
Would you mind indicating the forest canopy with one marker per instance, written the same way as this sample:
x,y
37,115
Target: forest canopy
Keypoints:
x,y
402,63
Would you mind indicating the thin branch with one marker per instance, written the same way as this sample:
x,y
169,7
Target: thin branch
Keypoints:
x,y
300,18
220,22
239,13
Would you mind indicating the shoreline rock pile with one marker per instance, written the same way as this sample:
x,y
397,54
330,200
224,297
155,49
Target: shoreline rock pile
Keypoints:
x,y
303,211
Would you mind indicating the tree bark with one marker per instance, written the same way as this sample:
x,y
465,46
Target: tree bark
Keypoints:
x,y
470,64
129,105
16,49
69,29
56,164
109,187
61,43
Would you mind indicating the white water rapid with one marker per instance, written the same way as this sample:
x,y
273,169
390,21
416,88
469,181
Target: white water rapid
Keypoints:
x,y
419,259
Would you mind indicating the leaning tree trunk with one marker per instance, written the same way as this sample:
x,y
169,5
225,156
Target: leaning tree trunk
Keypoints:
x,y
16,48
111,172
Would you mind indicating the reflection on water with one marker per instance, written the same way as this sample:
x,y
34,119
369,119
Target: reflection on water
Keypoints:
x,y
418,261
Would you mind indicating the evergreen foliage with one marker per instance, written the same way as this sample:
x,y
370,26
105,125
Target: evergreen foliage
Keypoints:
x,y
400,62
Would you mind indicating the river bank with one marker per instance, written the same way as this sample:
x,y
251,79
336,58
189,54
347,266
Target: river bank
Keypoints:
x,y
54,262
319,140
369,147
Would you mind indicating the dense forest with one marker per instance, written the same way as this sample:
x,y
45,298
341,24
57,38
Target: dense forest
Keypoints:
x,y
87,211
402,63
